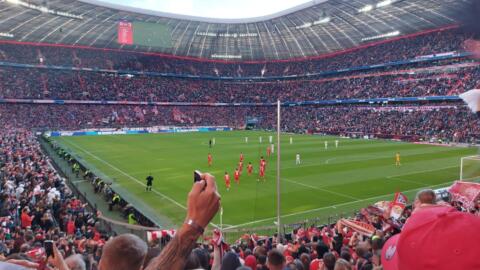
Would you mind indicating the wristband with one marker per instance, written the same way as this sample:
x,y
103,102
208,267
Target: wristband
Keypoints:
x,y
194,225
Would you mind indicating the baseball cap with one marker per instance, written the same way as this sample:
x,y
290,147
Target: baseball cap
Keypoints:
x,y
435,237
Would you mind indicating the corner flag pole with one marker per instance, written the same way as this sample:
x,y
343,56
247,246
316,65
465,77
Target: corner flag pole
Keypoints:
x,y
278,171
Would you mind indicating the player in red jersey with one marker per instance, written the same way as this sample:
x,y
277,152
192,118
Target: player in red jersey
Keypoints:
x,y
263,163
249,168
261,174
227,180
241,157
269,151
210,160
240,166
236,176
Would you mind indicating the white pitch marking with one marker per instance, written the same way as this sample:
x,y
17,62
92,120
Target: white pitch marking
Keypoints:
x,y
432,170
326,207
135,179
330,159
317,188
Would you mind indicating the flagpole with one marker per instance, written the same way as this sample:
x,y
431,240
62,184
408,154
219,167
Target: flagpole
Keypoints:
x,y
221,218
278,173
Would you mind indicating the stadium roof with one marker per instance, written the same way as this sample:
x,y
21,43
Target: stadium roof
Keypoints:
x,y
315,28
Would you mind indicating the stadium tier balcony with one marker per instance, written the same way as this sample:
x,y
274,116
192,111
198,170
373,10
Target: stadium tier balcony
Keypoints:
x,y
400,49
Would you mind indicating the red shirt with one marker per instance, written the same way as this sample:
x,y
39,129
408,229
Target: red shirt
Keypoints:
x,y
241,157
250,168
70,227
227,178
236,174
26,220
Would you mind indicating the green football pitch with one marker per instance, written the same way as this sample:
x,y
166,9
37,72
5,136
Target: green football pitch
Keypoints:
x,y
328,182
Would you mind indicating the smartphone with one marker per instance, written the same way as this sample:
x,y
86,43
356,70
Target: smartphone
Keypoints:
x,y
197,176
48,245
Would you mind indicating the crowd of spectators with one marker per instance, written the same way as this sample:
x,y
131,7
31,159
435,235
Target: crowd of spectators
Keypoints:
x,y
402,49
38,207
409,122
69,85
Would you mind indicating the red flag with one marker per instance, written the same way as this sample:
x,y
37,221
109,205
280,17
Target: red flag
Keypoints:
x,y
398,205
465,192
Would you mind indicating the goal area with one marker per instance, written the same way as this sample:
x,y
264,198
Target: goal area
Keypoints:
x,y
470,168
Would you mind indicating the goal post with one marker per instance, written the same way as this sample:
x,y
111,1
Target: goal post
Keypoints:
x,y
470,168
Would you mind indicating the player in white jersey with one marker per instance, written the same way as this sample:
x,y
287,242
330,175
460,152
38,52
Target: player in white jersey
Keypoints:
x,y
291,140
336,143
213,141
270,139
246,139
297,159
326,145
273,148
260,139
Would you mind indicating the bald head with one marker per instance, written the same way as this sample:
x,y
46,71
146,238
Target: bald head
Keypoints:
x,y
124,252
426,196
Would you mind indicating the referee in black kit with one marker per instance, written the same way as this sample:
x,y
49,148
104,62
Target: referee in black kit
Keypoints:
x,y
149,182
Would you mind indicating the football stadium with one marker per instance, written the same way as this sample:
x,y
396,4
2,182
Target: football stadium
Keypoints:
x,y
224,135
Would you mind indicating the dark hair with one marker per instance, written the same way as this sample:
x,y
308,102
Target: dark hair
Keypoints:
x,y
192,262
329,260
261,259
275,257
203,257
346,255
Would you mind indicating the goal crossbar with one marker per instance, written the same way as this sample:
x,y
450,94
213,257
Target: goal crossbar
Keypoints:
x,y
462,165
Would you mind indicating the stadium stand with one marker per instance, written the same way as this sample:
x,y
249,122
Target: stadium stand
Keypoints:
x,y
47,87
408,47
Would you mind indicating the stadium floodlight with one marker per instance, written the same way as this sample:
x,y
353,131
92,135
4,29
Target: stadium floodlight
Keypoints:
x,y
324,20
366,8
384,3
389,34
305,25
226,56
16,2
2,34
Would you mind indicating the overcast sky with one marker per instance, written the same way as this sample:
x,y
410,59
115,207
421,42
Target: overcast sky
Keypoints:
x,y
232,9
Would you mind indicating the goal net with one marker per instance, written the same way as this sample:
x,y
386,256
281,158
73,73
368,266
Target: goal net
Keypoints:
x,y
470,168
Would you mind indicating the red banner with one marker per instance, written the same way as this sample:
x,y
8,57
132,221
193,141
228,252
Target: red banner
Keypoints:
x,y
125,33
358,226
465,192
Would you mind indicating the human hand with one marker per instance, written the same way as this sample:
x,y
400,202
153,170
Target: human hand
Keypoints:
x,y
203,201
58,260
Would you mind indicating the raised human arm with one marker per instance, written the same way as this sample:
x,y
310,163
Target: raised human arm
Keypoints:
x,y
203,203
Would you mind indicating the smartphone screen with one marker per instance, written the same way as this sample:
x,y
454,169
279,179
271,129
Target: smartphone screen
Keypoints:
x,y
197,176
